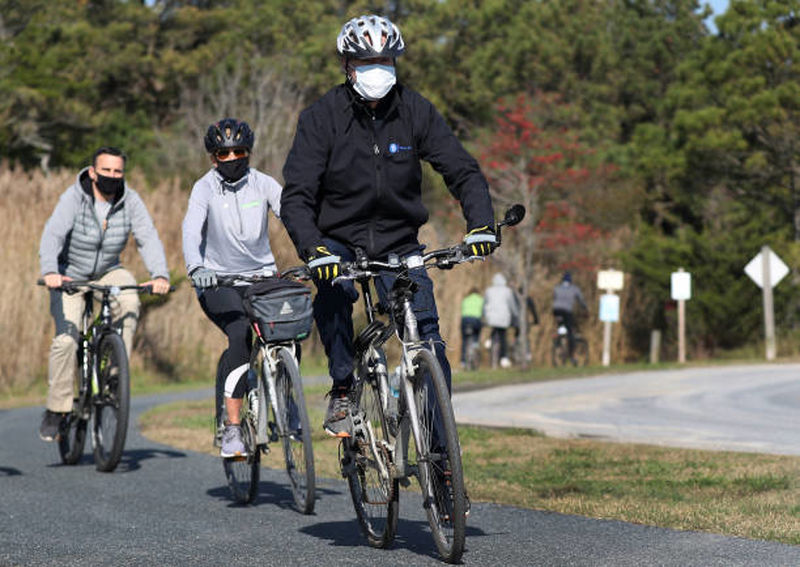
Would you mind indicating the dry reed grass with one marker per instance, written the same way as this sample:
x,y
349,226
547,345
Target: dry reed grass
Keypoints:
x,y
176,337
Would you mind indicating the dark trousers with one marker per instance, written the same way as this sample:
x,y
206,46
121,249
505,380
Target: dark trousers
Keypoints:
x,y
470,331
499,337
333,313
568,320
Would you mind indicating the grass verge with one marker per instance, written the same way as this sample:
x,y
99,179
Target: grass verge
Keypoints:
x,y
747,495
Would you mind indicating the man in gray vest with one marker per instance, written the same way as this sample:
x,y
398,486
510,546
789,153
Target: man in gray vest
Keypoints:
x,y
565,294
82,240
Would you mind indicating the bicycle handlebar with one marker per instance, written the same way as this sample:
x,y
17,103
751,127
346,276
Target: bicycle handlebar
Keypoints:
x,y
443,258
77,285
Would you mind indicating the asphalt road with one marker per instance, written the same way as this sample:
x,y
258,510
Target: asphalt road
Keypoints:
x,y
754,408
171,508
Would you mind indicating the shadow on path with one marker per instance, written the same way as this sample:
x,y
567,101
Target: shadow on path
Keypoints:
x,y
412,535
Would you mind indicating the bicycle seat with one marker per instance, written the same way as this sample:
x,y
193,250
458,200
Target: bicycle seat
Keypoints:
x,y
377,332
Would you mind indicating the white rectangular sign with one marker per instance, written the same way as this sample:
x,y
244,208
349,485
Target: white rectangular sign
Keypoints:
x,y
610,280
681,286
609,308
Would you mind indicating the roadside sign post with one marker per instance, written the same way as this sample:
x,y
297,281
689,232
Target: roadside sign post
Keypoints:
x,y
766,270
609,281
681,290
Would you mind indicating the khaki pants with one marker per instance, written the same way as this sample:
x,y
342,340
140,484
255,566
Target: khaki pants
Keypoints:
x,y
67,312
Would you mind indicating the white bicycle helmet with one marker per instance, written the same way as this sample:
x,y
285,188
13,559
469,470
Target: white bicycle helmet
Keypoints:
x,y
370,36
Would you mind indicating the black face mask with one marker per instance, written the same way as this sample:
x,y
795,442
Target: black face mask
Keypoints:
x,y
232,171
110,186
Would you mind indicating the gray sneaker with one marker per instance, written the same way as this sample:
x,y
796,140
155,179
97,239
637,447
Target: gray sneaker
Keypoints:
x,y
232,442
51,425
337,419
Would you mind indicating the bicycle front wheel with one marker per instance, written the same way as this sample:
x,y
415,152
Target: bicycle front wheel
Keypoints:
x,y
296,433
440,472
367,465
111,402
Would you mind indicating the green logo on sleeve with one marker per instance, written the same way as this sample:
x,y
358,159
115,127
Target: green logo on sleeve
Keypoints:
x,y
251,205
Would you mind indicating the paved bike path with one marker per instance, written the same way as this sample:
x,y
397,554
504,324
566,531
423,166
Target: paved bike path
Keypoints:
x,y
169,507
751,408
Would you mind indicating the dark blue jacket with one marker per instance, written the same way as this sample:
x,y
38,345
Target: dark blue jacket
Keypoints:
x,y
354,174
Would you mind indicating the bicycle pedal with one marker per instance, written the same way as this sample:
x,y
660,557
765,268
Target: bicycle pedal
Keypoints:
x,y
273,432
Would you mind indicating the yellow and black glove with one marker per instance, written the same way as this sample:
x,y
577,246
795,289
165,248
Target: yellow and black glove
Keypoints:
x,y
323,264
481,241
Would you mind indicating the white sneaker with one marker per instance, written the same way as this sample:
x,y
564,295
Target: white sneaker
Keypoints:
x,y
232,442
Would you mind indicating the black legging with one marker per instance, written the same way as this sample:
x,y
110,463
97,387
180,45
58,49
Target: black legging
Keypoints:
x,y
224,307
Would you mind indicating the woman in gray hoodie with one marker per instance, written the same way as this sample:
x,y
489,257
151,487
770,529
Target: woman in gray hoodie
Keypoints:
x,y
500,308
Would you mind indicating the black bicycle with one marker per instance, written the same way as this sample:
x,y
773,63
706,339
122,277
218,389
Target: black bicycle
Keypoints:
x,y
413,402
560,355
103,380
274,408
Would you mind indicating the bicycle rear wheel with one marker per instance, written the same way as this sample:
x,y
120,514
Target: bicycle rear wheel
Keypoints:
x,y
72,436
243,473
296,433
560,352
581,352
439,458
111,402
369,471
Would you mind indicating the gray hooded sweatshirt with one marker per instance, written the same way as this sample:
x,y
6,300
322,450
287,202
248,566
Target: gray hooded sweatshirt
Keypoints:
x,y
500,305
225,228
78,244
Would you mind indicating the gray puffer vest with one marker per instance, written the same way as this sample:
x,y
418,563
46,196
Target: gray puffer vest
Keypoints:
x,y
93,249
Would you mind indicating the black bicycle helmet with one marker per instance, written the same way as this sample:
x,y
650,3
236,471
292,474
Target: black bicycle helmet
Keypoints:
x,y
366,37
229,133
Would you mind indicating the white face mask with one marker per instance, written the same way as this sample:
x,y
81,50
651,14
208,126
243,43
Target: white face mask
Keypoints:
x,y
374,81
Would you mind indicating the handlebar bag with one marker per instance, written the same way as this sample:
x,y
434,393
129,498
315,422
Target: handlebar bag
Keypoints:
x,y
282,309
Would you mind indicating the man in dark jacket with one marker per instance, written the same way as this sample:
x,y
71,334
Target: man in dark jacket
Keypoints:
x,y
353,180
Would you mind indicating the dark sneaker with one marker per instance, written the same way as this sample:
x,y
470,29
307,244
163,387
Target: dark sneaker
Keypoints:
x,y
232,442
51,425
337,418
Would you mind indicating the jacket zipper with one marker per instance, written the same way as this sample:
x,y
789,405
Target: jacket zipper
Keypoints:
x,y
376,152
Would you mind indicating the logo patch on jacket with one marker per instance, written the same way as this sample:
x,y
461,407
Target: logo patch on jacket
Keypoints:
x,y
394,148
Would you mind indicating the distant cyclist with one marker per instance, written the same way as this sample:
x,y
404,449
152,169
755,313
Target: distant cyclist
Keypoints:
x,y
353,179
225,232
471,315
500,309
565,294
82,240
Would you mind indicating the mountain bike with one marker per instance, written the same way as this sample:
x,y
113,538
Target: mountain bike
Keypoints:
x,y
103,381
274,408
560,351
411,403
